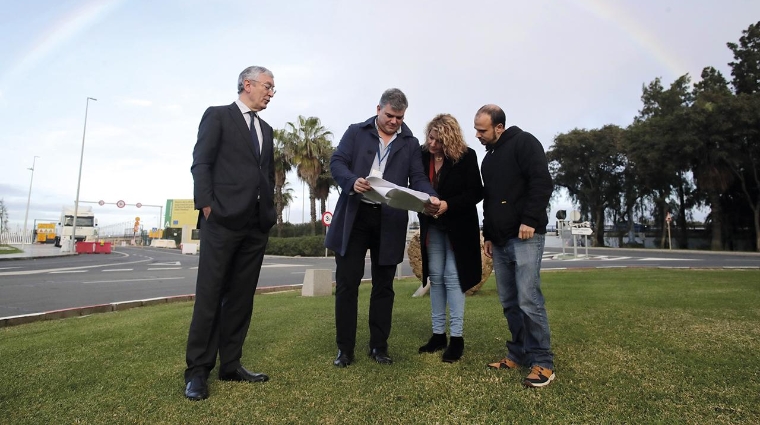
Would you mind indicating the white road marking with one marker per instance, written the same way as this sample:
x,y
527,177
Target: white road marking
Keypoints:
x,y
132,280
6,268
171,263
164,268
663,259
69,271
25,272
117,270
284,265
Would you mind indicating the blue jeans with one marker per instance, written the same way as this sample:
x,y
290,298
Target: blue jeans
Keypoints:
x,y
517,266
444,284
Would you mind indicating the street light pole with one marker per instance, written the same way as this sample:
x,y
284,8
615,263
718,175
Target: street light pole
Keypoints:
x,y
28,200
79,180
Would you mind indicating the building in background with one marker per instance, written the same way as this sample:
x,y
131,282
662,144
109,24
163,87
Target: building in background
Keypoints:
x,y
180,221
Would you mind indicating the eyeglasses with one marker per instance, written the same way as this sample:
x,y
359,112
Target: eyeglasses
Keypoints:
x,y
267,86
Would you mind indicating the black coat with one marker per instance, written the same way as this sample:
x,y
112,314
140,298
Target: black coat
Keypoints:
x,y
226,173
460,186
517,186
353,159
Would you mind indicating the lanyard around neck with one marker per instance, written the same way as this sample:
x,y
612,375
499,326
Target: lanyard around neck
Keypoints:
x,y
385,155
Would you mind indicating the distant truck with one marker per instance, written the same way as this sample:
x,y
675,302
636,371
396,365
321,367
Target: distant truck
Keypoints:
x,y
45,232
87,225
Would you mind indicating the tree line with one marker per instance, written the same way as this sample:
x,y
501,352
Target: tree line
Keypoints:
x,y
305,146
690,145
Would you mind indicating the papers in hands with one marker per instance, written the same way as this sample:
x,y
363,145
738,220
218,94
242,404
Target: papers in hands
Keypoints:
x,y
396,196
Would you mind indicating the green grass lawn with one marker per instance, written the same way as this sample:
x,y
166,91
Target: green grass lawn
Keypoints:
x,y
7,249
631,346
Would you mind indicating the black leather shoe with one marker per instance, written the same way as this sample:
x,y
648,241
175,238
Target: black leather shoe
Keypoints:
x,y
380,355
242,375
343,359
197,389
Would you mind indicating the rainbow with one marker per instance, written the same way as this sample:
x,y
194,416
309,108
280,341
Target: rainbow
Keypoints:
x,y
65,28
620,18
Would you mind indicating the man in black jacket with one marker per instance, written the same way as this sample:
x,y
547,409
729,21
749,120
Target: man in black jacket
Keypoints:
x,y
517,187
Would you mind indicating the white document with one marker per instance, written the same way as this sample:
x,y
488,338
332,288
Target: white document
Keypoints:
x,y
396,196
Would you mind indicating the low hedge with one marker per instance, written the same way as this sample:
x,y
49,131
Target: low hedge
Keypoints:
x,y
306,246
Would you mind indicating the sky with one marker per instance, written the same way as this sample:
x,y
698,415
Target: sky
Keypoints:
x,y
155,66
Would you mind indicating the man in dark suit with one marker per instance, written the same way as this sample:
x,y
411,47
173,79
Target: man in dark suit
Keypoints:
x,y
381,146
233,174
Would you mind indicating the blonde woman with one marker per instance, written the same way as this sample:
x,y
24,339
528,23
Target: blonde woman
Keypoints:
x,y
450,240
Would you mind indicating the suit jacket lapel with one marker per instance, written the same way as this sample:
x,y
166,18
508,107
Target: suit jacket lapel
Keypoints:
x,y
267,143
245,131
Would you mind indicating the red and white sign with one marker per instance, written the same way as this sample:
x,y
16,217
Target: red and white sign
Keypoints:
x,y
101,202
120,203
327,218
138,205
668,218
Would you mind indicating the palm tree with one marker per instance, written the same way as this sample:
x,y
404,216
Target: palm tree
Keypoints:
x,y
310,140
283,154
325,181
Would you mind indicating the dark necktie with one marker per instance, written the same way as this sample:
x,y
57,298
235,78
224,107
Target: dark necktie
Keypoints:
x,y
254,136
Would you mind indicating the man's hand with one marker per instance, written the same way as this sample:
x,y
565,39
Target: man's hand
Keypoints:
x,y
526,232
361,185
433,207
206,212
488,249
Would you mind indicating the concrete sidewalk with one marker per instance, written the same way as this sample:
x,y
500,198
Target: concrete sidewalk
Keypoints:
x,y
35,251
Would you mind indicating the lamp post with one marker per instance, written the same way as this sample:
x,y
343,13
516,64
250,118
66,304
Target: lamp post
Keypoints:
x,y
79,180
28,200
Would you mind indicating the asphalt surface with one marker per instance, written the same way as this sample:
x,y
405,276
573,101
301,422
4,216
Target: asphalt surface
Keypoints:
x,y
48,281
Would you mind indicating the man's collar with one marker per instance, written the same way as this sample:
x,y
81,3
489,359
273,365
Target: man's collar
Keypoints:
x,y
243,107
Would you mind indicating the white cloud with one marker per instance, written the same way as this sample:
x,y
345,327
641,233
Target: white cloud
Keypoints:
x,y
138,102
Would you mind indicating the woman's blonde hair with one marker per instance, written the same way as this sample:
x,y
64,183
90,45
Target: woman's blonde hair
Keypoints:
x,y
449,135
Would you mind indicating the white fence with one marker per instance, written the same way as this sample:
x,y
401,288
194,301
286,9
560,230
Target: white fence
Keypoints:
x,y
17,237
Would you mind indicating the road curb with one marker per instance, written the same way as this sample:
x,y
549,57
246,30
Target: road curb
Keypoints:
x,y
35,258
88,310
117,306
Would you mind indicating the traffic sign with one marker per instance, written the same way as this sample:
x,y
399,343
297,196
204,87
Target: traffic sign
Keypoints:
x,y
581,231
101,203
120,203
138,205
327,218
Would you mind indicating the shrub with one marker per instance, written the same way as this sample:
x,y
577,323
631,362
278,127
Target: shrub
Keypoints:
x,y
306,246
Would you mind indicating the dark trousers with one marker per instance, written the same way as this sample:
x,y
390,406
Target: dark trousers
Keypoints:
x,y
228,272
365,234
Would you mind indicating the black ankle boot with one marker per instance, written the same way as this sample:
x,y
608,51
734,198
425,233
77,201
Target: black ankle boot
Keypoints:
x,y
437,342
455,350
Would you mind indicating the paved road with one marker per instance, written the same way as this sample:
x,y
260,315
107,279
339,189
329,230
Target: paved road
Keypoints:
x,y
46,284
